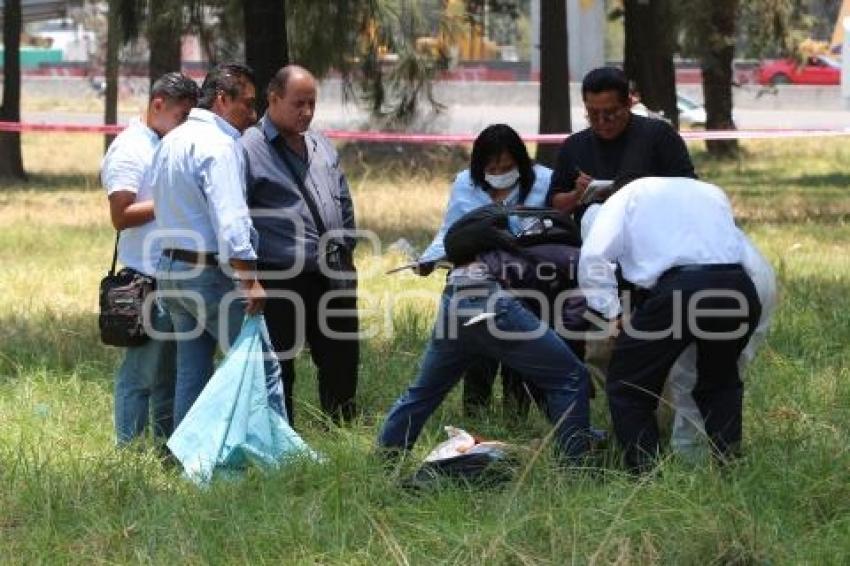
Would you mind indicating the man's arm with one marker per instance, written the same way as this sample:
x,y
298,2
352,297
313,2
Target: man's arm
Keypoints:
x,y
223,184
454,210
600,252
122,174
346,204
568,201
568,181
252,291
126,212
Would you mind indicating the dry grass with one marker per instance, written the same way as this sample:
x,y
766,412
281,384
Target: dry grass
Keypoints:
x,y
68,496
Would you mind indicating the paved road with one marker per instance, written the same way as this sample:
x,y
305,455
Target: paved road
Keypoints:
x,y
472,106
471,119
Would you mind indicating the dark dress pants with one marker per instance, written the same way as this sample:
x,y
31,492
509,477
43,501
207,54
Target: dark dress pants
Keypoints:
x,y
336,358
640,363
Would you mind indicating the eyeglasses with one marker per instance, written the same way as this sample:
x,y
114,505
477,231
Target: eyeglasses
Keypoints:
x,y
607,115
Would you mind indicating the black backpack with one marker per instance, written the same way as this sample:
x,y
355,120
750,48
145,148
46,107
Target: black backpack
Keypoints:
x,y
496,226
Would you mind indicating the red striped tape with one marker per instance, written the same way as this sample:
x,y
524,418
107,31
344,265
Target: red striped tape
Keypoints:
x,y
449,139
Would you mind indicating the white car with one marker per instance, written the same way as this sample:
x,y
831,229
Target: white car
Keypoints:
x,y
691,113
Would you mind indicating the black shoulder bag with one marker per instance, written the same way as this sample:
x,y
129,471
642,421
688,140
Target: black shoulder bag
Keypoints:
x,y
338,256
122,305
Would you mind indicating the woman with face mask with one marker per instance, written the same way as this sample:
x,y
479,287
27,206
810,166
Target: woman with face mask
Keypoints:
x,y
500,171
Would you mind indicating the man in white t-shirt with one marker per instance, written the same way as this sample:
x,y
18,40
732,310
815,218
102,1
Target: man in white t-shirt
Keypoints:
x,y
145,380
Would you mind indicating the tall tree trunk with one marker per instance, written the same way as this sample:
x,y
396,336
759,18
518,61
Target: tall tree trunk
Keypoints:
x,y
165,34
266,48
717,73
554,77
11,160
650,40
113,44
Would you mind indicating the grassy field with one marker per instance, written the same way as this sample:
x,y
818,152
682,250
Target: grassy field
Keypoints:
x,y
66,495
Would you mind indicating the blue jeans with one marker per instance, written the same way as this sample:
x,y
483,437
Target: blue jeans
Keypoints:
x,y
202,321
543,359
144,385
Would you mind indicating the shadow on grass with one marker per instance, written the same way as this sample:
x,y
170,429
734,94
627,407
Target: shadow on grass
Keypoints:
x,y
54,341
51,182
838,181
746,215
812,325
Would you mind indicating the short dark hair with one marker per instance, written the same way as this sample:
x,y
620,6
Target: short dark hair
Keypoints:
x,y
227,78
491,143
606,79
175,86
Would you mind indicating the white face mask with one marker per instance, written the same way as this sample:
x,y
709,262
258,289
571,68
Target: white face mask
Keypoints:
x,y
503,181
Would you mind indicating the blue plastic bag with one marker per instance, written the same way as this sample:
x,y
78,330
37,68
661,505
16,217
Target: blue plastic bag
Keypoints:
x,y
239,417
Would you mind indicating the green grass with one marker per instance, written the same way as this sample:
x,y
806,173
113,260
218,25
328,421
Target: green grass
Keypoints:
x,y
66,495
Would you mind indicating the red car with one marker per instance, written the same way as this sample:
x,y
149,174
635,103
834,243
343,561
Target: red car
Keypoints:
x,y
817,70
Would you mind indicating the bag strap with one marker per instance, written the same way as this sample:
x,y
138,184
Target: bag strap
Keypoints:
x,y
278,144
115,254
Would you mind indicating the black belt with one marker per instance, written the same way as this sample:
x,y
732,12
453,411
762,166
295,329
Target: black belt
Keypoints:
x,y
196,258
697,267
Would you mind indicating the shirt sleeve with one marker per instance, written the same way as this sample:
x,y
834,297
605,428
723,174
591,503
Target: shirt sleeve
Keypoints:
x,y
249,177
347,207
600,253
123,170
454,210
675,161
223,184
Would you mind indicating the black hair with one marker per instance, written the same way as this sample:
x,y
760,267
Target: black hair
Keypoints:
x,y
606,79
175,86
227,78
491,143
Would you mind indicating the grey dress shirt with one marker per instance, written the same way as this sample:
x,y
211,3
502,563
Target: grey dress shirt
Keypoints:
x,y
277,205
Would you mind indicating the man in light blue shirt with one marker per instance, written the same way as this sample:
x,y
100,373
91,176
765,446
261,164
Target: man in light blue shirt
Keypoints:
x,y
145,380
205,230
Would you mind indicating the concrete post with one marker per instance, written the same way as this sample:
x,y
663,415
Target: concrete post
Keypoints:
x,y
535,40
586,34
845,63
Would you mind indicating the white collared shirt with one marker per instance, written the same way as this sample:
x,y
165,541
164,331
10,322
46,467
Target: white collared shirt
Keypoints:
x,y
651,225
198,183
124,168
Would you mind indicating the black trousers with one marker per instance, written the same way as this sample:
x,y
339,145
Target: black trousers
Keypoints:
x,y
640,363
336,358
478,388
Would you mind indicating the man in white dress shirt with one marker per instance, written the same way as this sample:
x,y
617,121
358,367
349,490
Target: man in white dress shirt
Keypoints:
x,y
145,381
687,437
683,250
